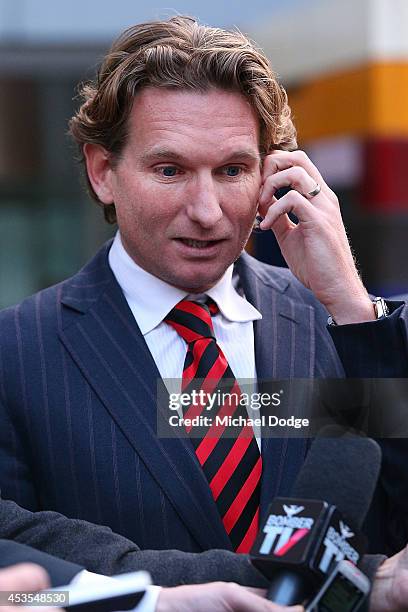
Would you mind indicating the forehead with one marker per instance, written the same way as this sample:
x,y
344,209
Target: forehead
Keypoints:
x,y
192,123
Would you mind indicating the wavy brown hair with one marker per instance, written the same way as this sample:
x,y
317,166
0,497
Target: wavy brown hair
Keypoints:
x,y
178,53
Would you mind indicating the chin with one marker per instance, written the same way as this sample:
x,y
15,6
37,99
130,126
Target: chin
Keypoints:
x,y
195,283
195,287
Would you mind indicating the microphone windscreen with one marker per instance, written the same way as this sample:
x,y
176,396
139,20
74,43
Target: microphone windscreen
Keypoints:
x,y
342,471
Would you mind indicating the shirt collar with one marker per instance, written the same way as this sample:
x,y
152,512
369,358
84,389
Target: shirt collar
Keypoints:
x,y
151,298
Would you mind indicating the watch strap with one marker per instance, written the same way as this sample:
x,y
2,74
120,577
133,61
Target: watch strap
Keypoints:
x,y
381,310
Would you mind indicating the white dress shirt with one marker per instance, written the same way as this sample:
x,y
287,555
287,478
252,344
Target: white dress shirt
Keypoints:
x,y
150,299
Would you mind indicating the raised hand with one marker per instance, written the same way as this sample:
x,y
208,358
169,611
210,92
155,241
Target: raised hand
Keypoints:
x,y
316,249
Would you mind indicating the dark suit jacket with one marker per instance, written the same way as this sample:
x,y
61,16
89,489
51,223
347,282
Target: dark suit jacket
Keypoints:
x,y
78,403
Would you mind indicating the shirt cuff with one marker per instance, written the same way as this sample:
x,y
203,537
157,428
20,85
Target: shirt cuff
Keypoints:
x,y
147,604
149,601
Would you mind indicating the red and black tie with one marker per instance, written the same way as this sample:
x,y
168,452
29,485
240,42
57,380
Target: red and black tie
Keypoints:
x,y
232,465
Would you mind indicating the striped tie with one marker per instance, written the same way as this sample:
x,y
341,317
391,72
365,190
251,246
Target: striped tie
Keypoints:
x,y
233,466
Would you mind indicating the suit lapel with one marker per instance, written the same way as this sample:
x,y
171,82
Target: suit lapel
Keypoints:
x,y
284,348
101,335
287,323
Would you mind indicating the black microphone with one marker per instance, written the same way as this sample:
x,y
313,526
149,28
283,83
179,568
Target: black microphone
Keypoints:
x,y
341,470
305,536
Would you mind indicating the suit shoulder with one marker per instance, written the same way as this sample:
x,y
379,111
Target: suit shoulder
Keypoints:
x,y
17,319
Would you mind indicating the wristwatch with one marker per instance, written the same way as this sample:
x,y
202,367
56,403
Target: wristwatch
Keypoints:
x,y
381,310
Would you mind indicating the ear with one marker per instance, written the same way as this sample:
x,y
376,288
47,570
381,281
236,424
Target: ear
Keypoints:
x,y
99,171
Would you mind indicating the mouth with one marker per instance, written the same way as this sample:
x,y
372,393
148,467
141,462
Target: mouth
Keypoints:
x,y
192,248
197,244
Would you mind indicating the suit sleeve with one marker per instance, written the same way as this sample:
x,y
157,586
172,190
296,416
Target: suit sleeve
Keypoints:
x,y
100,550
379,350
376,349
60,572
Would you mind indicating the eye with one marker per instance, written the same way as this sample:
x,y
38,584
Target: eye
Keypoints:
x,y
167,171
232,170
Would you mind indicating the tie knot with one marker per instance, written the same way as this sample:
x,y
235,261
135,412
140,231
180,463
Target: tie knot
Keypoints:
x,y
192,320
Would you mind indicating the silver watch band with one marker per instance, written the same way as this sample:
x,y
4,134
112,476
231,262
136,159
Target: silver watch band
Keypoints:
x,y
381,310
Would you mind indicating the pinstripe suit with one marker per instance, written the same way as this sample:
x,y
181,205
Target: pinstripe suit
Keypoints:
x,y
78,404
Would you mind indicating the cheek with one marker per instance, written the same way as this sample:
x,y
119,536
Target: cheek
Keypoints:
x,y
245,209
140,203
246,202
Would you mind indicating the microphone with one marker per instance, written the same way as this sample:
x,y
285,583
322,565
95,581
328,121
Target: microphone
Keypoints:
x,y
342,471
305,536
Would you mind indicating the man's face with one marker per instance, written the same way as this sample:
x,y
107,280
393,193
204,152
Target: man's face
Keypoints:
x,y
186,185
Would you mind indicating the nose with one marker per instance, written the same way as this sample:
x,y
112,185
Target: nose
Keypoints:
x,y
204,206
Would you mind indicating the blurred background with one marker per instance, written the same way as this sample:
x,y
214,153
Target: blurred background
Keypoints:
x,y
344,64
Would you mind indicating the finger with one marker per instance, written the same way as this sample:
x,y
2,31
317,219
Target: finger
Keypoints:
x,y
282,226
256,591
281,160
24,577
262,593
295,177
263,208
291,202
243,599
253,602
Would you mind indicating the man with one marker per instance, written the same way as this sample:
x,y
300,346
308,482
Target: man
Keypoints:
x,y
185,136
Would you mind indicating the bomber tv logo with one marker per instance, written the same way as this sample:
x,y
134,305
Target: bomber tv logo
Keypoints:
x,y
337,548
345,531
292,509
283,532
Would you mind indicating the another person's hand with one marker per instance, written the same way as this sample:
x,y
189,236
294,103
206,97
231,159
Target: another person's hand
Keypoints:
x,y
24,577
390,587
216,597
316,249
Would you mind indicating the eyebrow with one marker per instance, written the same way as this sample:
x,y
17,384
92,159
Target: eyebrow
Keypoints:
x,y
163,153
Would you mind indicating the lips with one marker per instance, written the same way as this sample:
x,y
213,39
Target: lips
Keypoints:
x,y
198,244
195,249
